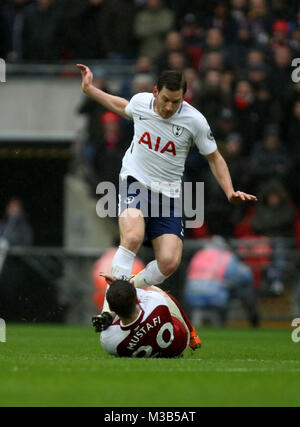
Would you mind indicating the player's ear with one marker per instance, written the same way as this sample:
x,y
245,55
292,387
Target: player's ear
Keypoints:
x,y
155,91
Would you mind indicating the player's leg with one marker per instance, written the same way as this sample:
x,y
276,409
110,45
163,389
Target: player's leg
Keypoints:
x,y
195,341
132,230
168,252
166,232
133,199
177,311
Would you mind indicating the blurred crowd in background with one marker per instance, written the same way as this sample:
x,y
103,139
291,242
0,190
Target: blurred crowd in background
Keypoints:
x,y
236,56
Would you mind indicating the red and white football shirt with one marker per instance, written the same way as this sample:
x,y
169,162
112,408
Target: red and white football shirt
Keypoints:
x,y
160,146
155,333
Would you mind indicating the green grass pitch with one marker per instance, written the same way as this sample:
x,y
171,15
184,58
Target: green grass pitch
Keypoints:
x,y
65,366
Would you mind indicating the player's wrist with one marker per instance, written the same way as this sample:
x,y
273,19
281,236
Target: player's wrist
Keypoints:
x,y
230,194
86,88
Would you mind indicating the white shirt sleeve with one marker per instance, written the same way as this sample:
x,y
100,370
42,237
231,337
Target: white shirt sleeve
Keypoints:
x,y
129,110
112,337
131,107
204,139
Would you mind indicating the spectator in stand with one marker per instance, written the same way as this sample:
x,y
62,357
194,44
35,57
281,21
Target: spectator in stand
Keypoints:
x,y
266,106
214,49
250,124
142,83
212,61
275,218
43,32
281,9
209,100
193,85
288,100
3,42
173,49
294,150
214,40
215,276
255,56
237,162
11,23
221,19
177,61
269,159
15,230
86,37
143,66
192,35
294,132
191,32
151,25
117,29
173,43
219,217
280,34
266,109
92,110
226,85
110,149
274,215
260,21
238,50
182,8
258,75
15,227
281,71
239,12
226,124
295,41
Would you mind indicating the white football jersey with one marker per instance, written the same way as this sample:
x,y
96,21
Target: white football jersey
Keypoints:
x,y
157,154
155,332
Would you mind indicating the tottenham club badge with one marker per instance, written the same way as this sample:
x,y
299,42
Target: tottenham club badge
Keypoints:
x,y
210,135
177,130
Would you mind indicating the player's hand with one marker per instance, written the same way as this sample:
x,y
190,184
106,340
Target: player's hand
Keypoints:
x,y
87,76
238,197
109,279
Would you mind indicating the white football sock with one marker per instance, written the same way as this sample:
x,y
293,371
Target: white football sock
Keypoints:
x,y
105,304
122,263
121,268
150,276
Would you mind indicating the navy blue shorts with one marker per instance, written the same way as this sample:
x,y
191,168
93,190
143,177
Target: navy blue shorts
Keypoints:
x,y
162,214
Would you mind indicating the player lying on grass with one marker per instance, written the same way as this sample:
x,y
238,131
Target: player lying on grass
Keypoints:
x,y
148,323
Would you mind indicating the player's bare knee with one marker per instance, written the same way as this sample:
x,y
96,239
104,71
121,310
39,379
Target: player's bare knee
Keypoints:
x,y
132,241
168,265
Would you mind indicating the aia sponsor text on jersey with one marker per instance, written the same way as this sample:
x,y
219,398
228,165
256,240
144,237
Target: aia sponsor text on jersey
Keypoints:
x,y
160,146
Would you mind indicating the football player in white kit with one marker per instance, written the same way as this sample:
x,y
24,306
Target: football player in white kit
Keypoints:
x,y
165,126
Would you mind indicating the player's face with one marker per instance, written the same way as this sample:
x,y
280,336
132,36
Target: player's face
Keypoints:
x,y
167,101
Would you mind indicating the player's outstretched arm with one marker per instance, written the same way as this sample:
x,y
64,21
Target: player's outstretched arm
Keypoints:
x,y
220,170
111,102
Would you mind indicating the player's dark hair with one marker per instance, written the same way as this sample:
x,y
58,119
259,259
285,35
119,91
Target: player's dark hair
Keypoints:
x,y
121,297
172,80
